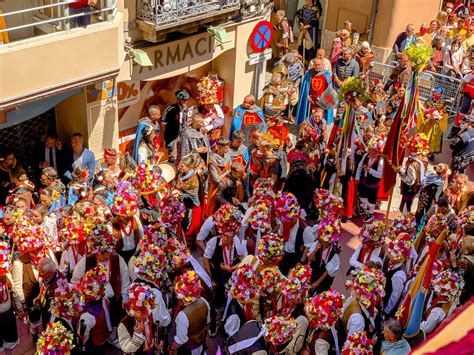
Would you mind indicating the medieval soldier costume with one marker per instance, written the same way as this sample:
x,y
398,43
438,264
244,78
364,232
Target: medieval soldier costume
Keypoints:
x,y
247,118
219,168
194,139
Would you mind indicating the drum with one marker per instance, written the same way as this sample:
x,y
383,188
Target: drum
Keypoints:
x,y
168,171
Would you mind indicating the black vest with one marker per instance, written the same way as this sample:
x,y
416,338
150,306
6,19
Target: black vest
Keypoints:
x,y
249,330
388,290
366,178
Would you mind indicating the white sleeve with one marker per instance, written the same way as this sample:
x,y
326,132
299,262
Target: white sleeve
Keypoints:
x,y
182,324
210,248
332,267
79,271
353,260
355,324
360,167
309,235
125,278
160,313
206,229
321,347
142,155
379,172
398,282
434,318
409,177
17,276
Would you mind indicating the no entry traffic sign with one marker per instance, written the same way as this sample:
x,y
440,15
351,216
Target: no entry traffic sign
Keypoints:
x,y
261,36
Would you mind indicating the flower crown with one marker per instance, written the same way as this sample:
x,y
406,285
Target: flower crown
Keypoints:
x,y
418,145
68,301
188,287
56,339
92,284
171,210
177,254
377,143
279,330
142,300
260,218
270,249
434,227
147,178
466,217
287,208
101,239
329,230
151,261
358,344
269,281
327,203
125,199
76,230
324,310
448,285
373,233
243,287
296,286
405,223
209,89
368,286
400,247
227,220
27,236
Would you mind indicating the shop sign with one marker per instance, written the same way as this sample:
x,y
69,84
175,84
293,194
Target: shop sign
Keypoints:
x,y
255,58
128,93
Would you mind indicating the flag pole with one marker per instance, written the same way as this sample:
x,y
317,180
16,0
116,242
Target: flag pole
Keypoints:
x,y
389,205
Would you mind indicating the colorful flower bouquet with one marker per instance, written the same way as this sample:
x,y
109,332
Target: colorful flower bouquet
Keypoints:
x,y
243,286
328,204
296,286
142,301
270,249
358,344
448,284
92,284
329,230
405,223
324,310
373,233
125,199
279,330
56,339
5,258
227,220
269,281
188,287
68,301
367,286
171,210
287,208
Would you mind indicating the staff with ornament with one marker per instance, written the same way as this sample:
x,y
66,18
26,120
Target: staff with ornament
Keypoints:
x,y
210,90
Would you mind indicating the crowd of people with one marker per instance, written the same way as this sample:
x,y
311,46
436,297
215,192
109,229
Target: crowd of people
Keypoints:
x,y
204,232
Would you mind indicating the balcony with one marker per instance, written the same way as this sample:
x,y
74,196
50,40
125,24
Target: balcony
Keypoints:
x,y
157,18
45,54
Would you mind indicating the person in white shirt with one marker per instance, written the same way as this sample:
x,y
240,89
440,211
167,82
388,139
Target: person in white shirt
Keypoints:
x,y
193,320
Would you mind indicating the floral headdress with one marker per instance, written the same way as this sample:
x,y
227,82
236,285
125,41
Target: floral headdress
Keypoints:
x,y
270,249
329,229
434,227
101,239
177,254
210,90
262,191
296,285
125,199
466,217
324,310
76,230
151,261
5,258
142,301
448,285
92,284
367,286
373,233
260,219
405,223
287,208
243,287
358,344
269,280
327,203
171,211
418,145
147,178
188,287
56,339
28,237
279,330
68,301
377,143
400,247
227,220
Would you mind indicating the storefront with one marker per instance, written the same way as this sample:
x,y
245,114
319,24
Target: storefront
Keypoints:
x,y
179,65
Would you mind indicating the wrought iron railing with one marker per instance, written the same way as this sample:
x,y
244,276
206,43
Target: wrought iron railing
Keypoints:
x,y
105,11
164,12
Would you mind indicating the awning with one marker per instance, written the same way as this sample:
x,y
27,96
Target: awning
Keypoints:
x,y
30,110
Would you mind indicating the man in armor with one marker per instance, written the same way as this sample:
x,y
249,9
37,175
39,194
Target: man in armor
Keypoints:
x,y
248,118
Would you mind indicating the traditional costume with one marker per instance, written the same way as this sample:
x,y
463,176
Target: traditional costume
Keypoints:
x,y
248,121
314,86
174,118
210,89
190,325
412,178
190,140
219,168
144,124
434,120
369,174
371,239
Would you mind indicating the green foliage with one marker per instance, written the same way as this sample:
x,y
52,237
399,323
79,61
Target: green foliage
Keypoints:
x,y
353,88
419,55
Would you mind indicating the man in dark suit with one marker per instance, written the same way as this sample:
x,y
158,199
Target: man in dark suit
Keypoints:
x,y
51,153
173,118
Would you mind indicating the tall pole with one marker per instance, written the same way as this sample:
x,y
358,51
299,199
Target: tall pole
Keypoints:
x,y
389,206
